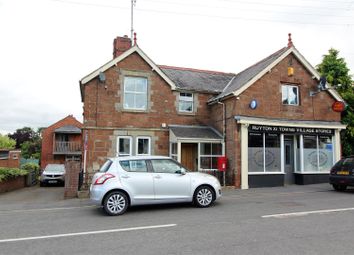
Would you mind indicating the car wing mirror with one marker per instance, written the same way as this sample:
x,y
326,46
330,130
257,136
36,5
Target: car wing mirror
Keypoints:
x,y
182,171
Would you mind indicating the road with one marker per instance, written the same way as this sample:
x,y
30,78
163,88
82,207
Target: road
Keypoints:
x,y
310,219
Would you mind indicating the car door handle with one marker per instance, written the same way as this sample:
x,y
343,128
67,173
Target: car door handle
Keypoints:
x,y
125,176
157,177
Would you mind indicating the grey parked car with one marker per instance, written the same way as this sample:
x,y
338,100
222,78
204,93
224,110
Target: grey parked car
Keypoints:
x,y
53,174
128,181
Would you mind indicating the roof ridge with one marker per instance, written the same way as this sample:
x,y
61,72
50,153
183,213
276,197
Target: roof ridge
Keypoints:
x,y
193,69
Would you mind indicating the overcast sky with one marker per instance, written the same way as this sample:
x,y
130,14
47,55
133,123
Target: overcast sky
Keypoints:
x,y
47,46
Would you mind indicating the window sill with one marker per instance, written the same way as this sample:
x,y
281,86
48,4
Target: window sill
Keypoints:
x,y
264,173
134,111
187,113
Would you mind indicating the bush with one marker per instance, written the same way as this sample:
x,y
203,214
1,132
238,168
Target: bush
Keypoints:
x,y
30,167
8,173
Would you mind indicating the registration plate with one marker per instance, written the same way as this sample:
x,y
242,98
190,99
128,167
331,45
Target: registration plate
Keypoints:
x,y
343,172
52,181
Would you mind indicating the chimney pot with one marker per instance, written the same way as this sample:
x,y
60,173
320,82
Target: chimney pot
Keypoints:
x,y
290,42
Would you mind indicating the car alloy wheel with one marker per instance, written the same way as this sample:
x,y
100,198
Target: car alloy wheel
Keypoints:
x,y
204,196
116,203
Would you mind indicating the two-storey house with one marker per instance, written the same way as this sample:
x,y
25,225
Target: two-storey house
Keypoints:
x,y
272,121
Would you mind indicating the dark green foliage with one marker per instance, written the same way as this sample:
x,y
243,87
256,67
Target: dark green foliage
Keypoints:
x,y
336,71
9,173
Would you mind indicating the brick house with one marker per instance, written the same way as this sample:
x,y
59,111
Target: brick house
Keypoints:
x,y
272,121
10,158
61,141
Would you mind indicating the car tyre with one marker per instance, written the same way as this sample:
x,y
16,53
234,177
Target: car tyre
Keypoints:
x,y
115,203
339,187
203,196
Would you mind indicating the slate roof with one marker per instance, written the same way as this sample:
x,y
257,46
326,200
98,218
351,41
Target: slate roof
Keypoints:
x,y
197,80
68,129
195,132
246,75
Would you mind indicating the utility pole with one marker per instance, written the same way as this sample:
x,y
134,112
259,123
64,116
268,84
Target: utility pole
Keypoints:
x,y
133,2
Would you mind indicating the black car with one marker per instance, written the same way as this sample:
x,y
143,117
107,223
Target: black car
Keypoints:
x,y
342,174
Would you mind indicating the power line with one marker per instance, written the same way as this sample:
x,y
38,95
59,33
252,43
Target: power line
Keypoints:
x,y
205,15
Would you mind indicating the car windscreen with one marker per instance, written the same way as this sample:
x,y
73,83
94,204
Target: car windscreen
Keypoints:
x,y
55,168
104,168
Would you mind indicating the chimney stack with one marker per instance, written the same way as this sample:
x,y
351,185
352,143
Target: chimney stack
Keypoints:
x,y
290,41
120,45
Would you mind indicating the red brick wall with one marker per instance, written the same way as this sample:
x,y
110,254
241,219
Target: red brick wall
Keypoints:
x,y
72,170
103,118
47,156
13,161
12,184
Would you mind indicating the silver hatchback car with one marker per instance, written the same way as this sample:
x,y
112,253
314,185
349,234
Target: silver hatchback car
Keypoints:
x,y
128,181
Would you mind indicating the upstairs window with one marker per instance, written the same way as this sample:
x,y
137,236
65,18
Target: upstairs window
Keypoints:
x,y
185,102
290,95
135,93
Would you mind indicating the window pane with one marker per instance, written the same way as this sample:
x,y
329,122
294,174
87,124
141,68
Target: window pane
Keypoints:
x,y
135,93
140,101
104,168
165,166
205,149
205,162
186,96
310,153
134,165
325,153
174,148
143,146
124,146
216,148
185,106
290,95
272,153
284,94
255,152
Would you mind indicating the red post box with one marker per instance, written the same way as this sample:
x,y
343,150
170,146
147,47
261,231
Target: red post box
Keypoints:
x,y
222,163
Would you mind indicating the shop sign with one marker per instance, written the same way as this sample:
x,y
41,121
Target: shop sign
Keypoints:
x,y
290,130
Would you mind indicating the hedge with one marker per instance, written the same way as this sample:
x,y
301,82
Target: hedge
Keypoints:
x,y
31,167
8,173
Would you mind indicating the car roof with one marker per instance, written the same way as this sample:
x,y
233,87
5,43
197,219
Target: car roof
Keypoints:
x,y
139,157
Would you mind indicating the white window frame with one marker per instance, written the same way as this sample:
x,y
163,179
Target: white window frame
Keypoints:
x,y
130,145
200,156
186,99
135,93
137,145
288,88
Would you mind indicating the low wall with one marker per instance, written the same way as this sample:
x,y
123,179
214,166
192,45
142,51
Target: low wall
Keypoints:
x,y
12,184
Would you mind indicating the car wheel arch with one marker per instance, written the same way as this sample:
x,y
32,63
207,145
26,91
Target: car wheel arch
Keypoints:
x,y
205,185
113,190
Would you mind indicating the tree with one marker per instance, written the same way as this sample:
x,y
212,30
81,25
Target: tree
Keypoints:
x,y
31,149
24,134
6,142
336,72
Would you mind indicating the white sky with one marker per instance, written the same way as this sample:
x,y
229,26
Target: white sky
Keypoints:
x,y
47,46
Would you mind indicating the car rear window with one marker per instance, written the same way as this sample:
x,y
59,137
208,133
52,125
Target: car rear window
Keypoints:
x,y
346,162
134,165
104,168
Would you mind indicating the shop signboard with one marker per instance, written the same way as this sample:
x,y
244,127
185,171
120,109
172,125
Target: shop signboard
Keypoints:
x,y
290,130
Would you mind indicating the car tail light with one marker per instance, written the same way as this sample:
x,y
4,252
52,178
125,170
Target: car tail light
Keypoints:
x,y
103,178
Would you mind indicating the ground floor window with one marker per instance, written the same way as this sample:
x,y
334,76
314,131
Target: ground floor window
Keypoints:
x,y
173,151
303,153
124,145
208,157
143,146
317,153
264,152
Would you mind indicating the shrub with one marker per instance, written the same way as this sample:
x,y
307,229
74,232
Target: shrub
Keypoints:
x,y
30,167
8,173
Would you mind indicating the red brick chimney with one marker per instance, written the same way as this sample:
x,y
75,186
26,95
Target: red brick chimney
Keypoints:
x,y
120,45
